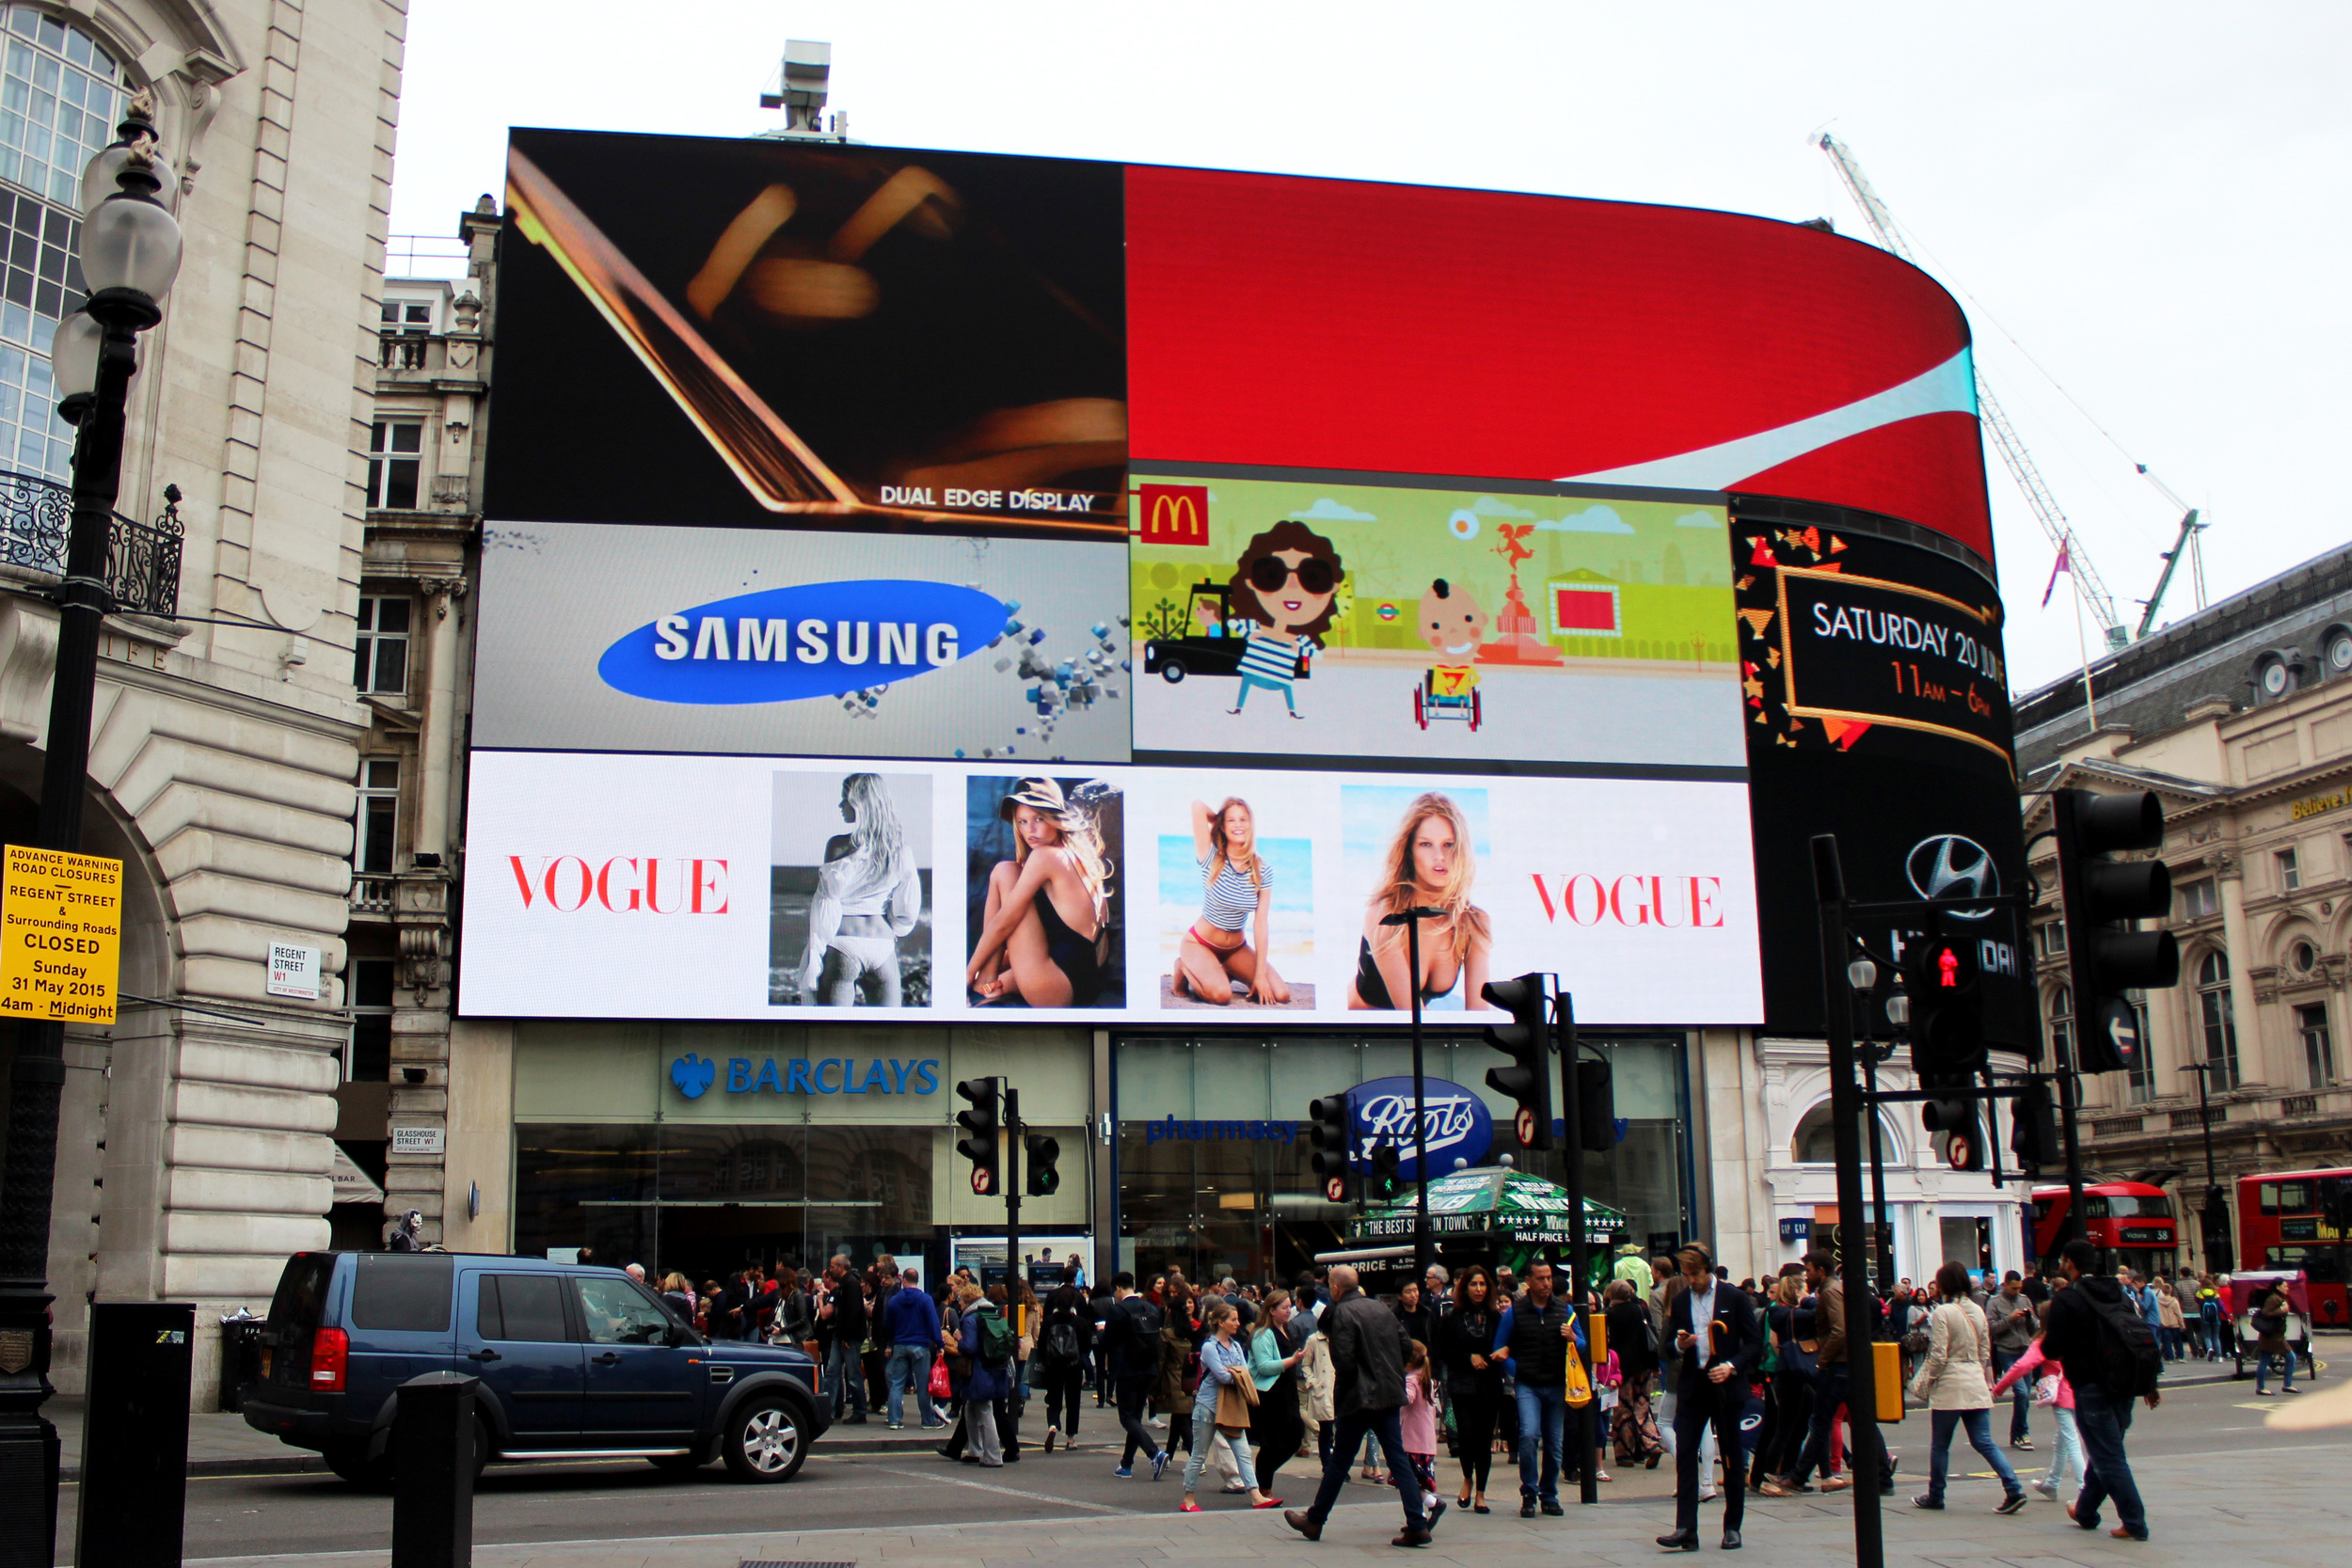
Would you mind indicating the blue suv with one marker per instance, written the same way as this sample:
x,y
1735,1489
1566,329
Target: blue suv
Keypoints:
x,y
575,1363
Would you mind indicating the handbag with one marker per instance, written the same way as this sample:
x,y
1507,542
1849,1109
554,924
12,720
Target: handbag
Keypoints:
x,y
1580,1387
1234,1398
2046,1391
941,1387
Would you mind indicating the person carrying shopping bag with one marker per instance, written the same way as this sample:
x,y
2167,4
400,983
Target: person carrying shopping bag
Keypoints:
x,y
2054,1393
1221,1407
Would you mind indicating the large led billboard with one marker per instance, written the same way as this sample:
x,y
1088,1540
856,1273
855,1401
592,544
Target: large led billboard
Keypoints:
x,y
730,887
931,585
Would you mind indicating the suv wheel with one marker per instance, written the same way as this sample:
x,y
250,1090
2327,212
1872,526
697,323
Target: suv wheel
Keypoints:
x,y
350,1462
764,1440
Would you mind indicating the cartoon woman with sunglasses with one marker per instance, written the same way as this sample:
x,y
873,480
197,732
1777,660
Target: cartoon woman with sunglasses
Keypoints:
x,y
1283,593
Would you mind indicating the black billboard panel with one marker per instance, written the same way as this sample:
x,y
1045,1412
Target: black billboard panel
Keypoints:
x,y
700,331
1873,680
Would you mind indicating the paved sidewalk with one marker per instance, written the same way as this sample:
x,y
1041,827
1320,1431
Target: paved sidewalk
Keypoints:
x,y
2254,1507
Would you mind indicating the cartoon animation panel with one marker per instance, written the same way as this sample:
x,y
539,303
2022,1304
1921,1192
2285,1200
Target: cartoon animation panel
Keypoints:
x,y
1304,617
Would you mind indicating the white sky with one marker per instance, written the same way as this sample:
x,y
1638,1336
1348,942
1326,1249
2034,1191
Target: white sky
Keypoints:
x,y
2152,197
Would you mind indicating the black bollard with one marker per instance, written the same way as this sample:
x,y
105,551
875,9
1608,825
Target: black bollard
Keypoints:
x,y
433,1464
135,1434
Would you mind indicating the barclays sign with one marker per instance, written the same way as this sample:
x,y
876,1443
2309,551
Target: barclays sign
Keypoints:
x,y
1454,1122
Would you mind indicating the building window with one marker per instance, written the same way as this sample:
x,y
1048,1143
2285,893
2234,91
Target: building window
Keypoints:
x,y
2215,1019
2199,899
413,316
2053,939
2303,957
396,452
2140,1076
380,816
2319,1050
371,1021
2062,1024
2289,874
380,665
58,105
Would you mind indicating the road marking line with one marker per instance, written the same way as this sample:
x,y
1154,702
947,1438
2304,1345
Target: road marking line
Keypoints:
x,y
1013,1491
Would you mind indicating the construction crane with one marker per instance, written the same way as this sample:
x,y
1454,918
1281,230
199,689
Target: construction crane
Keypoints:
x,y
2186,543
2014,454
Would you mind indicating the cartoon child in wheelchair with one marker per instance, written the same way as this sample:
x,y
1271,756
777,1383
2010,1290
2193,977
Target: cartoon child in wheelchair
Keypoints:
x,y
1454,626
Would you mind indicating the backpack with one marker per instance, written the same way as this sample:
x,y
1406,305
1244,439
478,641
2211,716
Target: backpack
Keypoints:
x,y
1062,1341
996,1340
2129,1362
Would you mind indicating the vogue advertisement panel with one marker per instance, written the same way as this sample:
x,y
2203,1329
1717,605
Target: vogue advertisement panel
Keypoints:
x,y
735,887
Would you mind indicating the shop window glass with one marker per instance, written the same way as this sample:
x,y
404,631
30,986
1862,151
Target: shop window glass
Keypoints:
x,y
1155,1080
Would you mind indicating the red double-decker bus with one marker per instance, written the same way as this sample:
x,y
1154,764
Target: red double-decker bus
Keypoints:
x,y
2294,1219
2129,1222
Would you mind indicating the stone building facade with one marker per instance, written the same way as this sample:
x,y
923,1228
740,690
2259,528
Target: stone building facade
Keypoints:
x,y
194,1151
2240,720
411,668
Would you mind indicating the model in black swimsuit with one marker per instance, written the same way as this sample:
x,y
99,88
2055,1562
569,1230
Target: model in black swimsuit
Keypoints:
x,y
1370,988
1071,953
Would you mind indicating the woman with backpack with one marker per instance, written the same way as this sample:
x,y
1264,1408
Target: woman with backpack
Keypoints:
x,y
1955,1381
1064,1340
987,1341
1633,1425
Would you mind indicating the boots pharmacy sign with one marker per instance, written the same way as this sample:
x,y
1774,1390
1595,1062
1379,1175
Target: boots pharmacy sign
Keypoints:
x,y
61,935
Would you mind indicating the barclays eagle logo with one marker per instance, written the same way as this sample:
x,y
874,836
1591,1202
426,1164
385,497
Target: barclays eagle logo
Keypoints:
x,y
1948,865
693,1074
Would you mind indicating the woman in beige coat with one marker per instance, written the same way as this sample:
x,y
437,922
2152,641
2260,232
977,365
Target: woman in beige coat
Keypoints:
x,y
1956,1382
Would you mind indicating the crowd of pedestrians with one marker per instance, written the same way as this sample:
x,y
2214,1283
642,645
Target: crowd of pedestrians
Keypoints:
x,y
1743,1385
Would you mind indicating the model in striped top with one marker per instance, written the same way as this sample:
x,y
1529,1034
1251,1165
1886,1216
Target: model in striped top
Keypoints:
x,y
1237,887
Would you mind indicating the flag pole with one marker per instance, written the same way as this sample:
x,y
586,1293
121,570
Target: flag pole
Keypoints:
x,y
2082,647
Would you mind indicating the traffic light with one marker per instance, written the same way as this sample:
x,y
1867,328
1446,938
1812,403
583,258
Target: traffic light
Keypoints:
x,y
1043,1180
1597,1106
1528,1079
2104,897
1946,1016
1327,1131
1952,1117
981,1124
2033,1134
1385,1185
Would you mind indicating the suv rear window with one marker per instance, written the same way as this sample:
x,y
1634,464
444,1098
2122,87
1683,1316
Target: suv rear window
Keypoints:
x,y
403,1291
301,1294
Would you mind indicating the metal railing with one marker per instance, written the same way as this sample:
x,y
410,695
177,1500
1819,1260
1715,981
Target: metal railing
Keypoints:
x,y
142,558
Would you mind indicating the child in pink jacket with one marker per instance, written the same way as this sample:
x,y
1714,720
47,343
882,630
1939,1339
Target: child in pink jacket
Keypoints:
x,y
2035,1365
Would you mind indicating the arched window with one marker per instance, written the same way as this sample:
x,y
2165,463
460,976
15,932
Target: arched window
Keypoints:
x,y
2062,1024
61,94
2216,1022
1815,1143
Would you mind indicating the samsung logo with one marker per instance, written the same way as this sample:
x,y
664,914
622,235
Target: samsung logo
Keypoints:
x,y
813,640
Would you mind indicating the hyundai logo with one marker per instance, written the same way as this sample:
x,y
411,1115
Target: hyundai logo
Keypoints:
x,y
1948,865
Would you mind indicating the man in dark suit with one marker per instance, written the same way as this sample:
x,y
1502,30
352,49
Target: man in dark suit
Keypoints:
x,y
1713,1325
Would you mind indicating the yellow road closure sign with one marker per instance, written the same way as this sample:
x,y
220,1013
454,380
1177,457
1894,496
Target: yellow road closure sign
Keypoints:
x,y
60,935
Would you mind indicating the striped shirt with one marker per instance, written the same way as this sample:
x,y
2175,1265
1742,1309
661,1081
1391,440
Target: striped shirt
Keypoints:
x,y
1270,657
1232,898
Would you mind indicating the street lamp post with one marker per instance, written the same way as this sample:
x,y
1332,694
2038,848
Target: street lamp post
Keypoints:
x,y
2215,1204
129,255
1423,1249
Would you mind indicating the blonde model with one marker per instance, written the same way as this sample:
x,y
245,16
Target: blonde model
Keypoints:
x,y
1430,865
1237,889
1042,936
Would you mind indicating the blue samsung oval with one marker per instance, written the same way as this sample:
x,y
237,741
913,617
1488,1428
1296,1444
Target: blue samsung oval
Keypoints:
x,y
812,640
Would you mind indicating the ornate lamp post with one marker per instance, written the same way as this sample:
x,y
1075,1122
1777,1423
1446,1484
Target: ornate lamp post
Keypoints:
x,y
129,255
